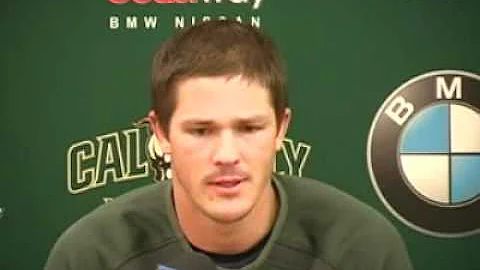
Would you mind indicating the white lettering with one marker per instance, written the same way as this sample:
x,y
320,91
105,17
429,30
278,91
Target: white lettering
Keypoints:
x,y
114,22
79,176
114,157
132,22
399,110
135,168
110,160
445,92
150,22
295,156
257,4
255,21
179,22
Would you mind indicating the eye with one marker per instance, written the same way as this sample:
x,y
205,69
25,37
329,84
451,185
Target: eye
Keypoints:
x,y
200,131
250,128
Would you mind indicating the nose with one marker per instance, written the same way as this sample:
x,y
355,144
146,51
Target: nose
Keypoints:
x,y
226,151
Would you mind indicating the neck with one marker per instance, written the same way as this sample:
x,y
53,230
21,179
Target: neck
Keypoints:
x,y
229,237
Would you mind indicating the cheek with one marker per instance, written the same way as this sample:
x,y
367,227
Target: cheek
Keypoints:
x,y
264,141
187,174
188,160
260,150
184,147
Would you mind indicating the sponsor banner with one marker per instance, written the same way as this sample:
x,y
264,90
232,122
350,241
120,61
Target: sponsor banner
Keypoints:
x,y
210,10
424,153
77,74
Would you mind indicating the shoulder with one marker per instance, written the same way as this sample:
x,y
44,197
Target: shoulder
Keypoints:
x,y
337,228
314,199
133,222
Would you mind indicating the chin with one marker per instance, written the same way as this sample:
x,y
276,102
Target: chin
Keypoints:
x,y
230,212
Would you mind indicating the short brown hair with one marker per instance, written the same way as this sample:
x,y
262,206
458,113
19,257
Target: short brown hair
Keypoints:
x,y
216,48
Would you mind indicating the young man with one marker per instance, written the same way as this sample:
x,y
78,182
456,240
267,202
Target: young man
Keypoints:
x,y
220,111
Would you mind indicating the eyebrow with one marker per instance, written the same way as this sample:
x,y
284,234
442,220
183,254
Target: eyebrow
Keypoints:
x,y
204,122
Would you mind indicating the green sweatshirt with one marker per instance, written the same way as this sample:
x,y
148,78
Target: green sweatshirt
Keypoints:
x,y
318,228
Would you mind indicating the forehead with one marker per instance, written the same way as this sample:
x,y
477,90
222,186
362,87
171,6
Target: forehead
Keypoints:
x,y
221,97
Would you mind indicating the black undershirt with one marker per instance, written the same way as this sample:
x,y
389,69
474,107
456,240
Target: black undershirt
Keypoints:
x,y
235,261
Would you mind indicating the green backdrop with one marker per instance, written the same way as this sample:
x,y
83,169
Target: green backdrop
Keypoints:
x,y
68,78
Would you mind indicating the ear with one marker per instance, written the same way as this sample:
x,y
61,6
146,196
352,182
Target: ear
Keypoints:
x,y
159,133
282,129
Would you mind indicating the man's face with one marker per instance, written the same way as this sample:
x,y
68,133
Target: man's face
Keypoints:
x,y
222,139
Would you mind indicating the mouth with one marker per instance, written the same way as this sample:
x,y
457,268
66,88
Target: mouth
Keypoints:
x,y
227,185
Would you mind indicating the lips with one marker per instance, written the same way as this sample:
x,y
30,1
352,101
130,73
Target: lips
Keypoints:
x,y
227,180
227,185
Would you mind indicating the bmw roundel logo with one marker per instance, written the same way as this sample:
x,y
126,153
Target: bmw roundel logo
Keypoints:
x,y
423,153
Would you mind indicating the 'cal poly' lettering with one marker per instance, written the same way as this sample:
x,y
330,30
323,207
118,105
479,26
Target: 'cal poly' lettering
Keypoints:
x,y
293,156
114,157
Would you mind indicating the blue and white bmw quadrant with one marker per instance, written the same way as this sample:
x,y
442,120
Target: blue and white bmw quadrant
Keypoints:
x,y
439,158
